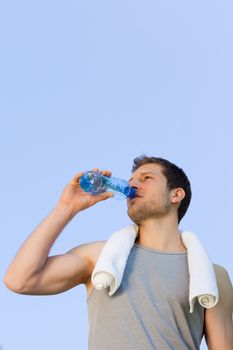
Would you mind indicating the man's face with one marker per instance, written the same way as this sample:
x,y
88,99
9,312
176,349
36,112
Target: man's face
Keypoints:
x,y
152,195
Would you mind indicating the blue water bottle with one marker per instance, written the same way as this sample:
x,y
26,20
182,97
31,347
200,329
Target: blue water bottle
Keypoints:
x,y
96,183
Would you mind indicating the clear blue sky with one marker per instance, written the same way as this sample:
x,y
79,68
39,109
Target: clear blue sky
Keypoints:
x,y
85,84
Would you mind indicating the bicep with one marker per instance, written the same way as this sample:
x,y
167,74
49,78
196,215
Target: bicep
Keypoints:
x,y
218,330
218,320
61,273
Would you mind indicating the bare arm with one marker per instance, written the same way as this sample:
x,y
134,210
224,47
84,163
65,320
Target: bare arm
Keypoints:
x,y
218,320
32,271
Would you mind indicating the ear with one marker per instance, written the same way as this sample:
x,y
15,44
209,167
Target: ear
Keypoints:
x,y
177,194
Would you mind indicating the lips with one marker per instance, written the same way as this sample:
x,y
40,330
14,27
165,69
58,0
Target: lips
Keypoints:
x,y
137,196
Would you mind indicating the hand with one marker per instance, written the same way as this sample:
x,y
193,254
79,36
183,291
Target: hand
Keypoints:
x,y
76,199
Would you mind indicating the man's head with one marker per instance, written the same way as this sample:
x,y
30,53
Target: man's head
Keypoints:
x,y
162,184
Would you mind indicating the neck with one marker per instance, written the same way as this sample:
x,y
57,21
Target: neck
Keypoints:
x,y
160,234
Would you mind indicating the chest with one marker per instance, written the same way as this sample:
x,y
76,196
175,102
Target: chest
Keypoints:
x,y
159,278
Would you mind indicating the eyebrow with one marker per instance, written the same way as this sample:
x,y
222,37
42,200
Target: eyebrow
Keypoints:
x,y
144,173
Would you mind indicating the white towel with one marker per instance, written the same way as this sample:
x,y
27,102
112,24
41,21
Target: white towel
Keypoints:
x,y
202,281
110,266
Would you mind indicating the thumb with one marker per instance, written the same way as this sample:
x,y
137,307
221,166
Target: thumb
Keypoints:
x,y
107,195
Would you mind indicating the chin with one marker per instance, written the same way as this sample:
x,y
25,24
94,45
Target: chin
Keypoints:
x,y
135,217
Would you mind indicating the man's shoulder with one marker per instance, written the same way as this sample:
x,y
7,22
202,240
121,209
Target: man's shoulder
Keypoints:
x,y
221,273
220,270
89,251
94,248
218,319
223,281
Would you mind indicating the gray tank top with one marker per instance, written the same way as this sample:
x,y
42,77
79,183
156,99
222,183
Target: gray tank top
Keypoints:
x,y
150,310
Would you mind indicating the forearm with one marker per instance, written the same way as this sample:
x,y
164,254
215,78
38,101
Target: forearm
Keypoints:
x,y
31,257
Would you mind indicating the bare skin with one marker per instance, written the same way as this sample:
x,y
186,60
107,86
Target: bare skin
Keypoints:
x,y
33,272
155,209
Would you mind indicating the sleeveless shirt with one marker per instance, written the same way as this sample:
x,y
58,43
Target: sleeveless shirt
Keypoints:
x,y
150,309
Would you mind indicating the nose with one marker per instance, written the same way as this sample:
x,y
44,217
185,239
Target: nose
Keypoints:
x,y
136,184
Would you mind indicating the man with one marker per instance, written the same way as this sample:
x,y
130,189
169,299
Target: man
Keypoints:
x,y
150,310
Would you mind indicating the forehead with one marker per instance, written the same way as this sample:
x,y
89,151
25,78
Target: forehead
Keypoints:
x,y
155,169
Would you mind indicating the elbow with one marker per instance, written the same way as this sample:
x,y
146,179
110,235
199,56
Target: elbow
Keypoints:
x,y
12,284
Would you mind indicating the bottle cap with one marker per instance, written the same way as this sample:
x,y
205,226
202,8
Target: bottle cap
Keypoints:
x,y
132,193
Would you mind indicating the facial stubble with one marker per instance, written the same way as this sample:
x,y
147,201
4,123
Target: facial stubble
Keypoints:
x,y
139,212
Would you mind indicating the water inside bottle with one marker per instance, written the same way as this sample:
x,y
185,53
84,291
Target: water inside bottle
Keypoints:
x,y
92,183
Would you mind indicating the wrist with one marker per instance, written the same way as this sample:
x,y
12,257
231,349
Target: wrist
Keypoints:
x,y
66,210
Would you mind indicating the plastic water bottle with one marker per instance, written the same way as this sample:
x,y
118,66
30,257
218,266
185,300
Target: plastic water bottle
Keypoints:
x,y
96,183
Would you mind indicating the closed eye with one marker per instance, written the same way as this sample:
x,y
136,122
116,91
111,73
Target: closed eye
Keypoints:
x,y
148,177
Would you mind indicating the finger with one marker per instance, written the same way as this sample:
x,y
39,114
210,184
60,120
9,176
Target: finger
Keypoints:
x,y
106,172
95,169
78,175
75,180
105,195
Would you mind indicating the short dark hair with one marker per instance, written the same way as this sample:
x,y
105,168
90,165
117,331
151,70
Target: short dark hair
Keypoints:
x,y
175,176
